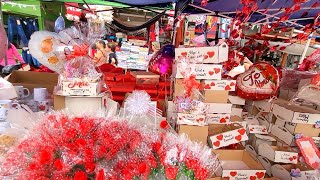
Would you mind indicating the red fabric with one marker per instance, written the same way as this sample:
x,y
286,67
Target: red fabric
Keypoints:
x,y
108,76
106,67
117,70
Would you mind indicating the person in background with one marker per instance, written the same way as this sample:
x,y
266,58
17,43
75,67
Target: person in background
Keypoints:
x,y
100,57
155,47
111,48
11,56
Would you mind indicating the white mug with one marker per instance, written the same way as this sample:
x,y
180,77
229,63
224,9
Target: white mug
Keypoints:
x,y
40,94
22,92
5,105
44,106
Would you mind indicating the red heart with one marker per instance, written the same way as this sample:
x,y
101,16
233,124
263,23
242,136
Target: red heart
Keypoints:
x,y
211,54
260,174
242,131
42,107
184,53
207,86
187,33
233,173
227,117
220,137
238,138
227,88
205,56
212,84
223,120
216,70
264,130
200,119
253,177
232,84
211,73
291,159
217,143
226,177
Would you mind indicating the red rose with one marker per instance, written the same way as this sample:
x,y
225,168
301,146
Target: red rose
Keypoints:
x,y
89,167
80,142
58,164
80,175
45,157
100,175
171,172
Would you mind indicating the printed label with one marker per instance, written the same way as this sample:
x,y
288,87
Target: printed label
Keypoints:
x,y
218,118
243,174
220,85
305,118
191,119
256,129
227,138
286,157
202,71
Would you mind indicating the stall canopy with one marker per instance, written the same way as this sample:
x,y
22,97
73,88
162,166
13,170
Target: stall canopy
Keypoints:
x,y
268,10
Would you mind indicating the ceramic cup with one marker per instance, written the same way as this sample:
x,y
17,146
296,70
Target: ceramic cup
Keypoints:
x,y
5,105
22,92
44,106
40,94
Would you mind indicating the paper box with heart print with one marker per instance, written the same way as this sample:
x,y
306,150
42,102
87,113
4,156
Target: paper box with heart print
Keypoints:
x,y
293,172
218,108
79,104
220,85
238,164
218,118
191,119
296,114
78,87
278,154
213,54
305,129
257,129
202,71
229,134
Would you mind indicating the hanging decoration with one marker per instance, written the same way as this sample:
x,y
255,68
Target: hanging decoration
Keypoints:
x,y
161,62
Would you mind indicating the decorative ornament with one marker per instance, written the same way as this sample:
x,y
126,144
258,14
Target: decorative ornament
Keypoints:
x,y
295,172
138,103
161,62
260,82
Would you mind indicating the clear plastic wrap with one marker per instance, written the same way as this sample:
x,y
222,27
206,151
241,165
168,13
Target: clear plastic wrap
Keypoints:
x,y
291,78
64,146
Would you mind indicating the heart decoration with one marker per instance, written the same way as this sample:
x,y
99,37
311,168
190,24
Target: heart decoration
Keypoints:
x,y
184,54
223,120
211,54
264,130
216,70
207,86
291,159
212,84
232,84
205,57
242,131
253,177
220,137
238,138
227,117
217,143
260,174
227,177
233,173
211,73
227,88
259,82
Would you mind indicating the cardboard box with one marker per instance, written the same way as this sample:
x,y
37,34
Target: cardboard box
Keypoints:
x,y
238,164
257,129
143,77
283,172
33,80
236,100
236,113
179,88
218,118
213,54
257,139
216,96
264,122
192,119
296,114
220,85
218,108
202,71
266,165
194,133
229,134
78,87
79,104
278,154
283,135
305,129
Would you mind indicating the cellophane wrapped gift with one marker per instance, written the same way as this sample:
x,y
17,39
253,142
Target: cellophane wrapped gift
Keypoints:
x,y
65,146
291,78
7,90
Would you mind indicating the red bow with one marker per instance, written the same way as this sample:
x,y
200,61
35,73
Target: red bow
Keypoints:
x,y
78,51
